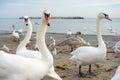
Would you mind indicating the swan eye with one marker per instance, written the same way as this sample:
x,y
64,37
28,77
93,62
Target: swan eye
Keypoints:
x,y
105,14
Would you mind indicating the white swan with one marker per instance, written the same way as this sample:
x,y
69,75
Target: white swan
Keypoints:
x,y
15,34
40,40
69,33
89,55
117,74
117,48
15,67
54,51
53,42
52,46
23,51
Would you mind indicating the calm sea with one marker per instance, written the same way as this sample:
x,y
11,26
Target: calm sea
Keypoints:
x,y
86,26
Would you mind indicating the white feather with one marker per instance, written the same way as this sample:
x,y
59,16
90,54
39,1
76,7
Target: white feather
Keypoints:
x,y
117,74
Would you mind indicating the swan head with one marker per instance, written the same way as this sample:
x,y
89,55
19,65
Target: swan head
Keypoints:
x,y
47,17
26,19
103,15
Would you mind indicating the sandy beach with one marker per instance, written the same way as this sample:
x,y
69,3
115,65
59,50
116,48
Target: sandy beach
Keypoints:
x,y
70,72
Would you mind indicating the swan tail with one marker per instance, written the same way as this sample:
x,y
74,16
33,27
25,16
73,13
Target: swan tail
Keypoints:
x,y
53,74
72,53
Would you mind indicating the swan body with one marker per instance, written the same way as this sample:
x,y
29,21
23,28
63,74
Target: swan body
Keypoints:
x,y
15,34
88,55
54,51
37,55
23,51
29,53
14,67
117,74
84,58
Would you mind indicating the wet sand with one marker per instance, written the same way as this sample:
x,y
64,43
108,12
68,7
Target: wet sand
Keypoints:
x,y
70,72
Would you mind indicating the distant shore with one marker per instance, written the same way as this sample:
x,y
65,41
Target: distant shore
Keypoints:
x,y
75,17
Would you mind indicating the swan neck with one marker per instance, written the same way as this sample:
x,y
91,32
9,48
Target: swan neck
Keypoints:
x,y
99,35
41,42
41,33
27,37
13,30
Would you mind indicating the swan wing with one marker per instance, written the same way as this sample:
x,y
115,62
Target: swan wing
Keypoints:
x,y
22,67
84,50
29,53
16,35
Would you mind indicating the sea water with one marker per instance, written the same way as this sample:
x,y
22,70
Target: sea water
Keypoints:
x,y
86,26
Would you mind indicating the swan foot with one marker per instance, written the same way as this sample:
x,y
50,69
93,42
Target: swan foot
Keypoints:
x,y
97,65
91,73
82,75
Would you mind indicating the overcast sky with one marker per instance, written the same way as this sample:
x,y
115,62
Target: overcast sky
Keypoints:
x,y
85,8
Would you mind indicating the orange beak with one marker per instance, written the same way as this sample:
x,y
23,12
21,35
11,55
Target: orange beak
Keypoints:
x,y
47,21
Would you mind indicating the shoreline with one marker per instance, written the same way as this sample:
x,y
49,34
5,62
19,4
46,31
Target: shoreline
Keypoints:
x,y
110,40
9,32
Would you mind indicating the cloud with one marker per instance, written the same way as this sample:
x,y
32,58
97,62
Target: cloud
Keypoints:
x,y
87,3
57,7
